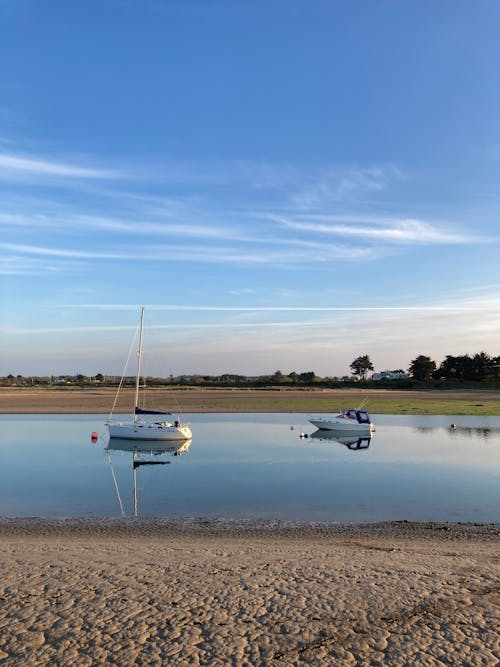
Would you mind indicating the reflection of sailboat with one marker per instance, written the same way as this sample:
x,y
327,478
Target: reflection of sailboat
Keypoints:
x,y
141,447
140,428
350,441
139,451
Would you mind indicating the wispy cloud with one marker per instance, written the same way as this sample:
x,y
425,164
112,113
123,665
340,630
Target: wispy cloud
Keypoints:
x,y
288,253
397,231
145,227
14,165
312,228
71,221
341,185
20,265
476,304
63,252
139,225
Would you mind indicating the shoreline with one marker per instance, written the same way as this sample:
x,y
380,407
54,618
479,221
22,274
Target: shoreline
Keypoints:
x,y
212,592
161,527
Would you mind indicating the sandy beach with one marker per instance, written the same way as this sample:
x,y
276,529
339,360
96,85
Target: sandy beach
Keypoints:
x,y
208,592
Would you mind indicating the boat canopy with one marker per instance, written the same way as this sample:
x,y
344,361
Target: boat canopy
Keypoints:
x,y
361,416
141,411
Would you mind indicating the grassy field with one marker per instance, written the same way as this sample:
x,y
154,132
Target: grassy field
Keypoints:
x,y
378,401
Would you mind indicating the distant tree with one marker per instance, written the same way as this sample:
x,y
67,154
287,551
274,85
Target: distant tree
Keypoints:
x,y
495,367
480,366
293,377
230,378
453,368
361,365
422,368
197,379
306,378
99,377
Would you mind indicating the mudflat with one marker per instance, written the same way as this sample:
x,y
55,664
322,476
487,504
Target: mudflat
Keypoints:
x,y
207,592
24,400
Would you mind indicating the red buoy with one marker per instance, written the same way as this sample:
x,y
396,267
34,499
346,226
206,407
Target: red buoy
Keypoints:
x,y
94,436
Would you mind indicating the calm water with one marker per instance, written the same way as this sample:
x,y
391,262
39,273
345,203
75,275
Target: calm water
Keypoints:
x,y
256,466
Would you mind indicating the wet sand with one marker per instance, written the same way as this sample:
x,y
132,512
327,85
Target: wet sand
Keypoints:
x,y
207,592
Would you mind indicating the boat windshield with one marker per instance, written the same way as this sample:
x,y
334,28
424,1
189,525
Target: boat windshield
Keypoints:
x,y
361,416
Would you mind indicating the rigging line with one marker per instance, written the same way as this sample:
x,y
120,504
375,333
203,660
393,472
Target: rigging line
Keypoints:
x,y
116,485
176,403
123,373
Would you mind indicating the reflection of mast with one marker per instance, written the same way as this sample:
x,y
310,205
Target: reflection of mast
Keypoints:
x,y
136,463
116,483
136,449
134,475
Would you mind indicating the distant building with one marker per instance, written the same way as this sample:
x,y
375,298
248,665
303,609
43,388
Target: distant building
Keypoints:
x,y
390,375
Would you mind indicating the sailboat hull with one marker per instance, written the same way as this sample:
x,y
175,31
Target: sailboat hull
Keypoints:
x,y
138,431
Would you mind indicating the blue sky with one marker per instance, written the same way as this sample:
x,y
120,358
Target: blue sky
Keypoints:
x,y
283,184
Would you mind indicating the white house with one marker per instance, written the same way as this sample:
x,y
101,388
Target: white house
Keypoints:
x,y
390,375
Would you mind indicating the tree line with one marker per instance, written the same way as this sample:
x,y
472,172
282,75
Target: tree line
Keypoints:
x,y
453,370
478,367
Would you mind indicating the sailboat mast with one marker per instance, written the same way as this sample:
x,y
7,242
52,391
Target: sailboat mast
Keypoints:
x,y
139,357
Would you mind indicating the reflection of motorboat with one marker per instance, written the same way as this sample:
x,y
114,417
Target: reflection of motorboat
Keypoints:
x,y
146,424
350,421
350,441
140,450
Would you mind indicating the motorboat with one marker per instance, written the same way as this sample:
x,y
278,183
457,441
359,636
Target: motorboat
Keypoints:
x,y
349,421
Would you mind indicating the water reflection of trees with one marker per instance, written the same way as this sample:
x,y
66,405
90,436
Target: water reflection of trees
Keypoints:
x,y
481,432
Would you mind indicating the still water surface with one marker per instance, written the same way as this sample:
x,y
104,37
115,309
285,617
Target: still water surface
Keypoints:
x,y
256,466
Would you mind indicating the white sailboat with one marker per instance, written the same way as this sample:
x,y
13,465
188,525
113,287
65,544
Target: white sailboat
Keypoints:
x,y
146,424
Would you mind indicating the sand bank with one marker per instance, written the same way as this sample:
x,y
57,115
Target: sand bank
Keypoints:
x,y
25,400
208,592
